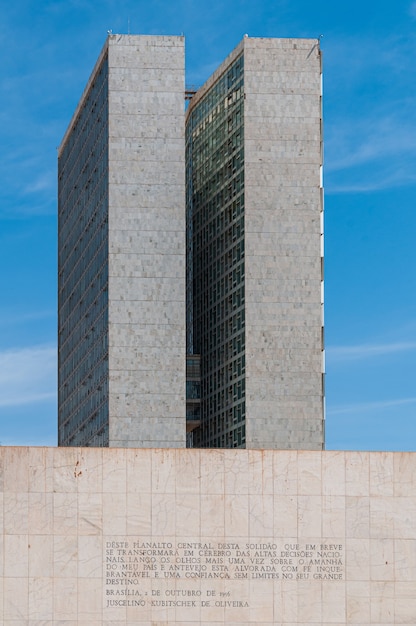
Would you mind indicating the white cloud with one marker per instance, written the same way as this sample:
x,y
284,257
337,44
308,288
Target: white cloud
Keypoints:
x,y
11,318
365,407
370,143
27,375
367,140
366,350
374,182
44,181
375,151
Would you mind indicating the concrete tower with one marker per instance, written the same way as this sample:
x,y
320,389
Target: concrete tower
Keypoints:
x,y
122,251
254,215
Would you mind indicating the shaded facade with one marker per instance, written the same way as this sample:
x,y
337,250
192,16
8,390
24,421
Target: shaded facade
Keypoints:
x,y
215,196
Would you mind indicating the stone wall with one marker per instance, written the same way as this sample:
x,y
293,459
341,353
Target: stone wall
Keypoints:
x,y
117,537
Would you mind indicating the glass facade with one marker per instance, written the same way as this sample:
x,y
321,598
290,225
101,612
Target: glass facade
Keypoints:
x,y
215,257
83,273
193,396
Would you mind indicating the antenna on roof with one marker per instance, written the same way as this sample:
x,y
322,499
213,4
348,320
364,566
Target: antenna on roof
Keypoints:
x,y
128,25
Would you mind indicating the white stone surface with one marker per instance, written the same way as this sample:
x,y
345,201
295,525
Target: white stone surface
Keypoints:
x,y
75,524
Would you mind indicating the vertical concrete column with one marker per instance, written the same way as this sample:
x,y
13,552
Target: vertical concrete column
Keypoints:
x,y
146,241
282,130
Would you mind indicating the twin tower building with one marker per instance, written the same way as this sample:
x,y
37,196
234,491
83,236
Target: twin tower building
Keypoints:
x,y
190,250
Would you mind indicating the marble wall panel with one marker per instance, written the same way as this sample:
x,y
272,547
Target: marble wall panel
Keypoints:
x,y
207,537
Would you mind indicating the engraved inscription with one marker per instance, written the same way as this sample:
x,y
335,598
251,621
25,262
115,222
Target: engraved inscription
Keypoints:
x,y
138,571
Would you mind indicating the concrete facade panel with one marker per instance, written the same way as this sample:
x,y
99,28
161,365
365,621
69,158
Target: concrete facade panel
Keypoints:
x,y
153,288
166,173
284,337
282,82
274,290
286,222
275,175
126,220
285,245
289,106
151,197
159,148
152,126
144,380
131,405
146,265
147,52
149,241
284,152
143,318
279,128
149,78
143,102
128,358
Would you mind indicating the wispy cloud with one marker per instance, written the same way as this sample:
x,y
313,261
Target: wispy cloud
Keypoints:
x,y
370,143
366,350
375,151
45,181
372,182
412,10
367,140
31,183
27,375
365,407
8,318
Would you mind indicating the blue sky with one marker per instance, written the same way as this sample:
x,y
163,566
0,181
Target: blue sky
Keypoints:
x,y
48,50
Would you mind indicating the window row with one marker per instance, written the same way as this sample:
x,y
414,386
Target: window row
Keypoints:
x,y
224,375
91,432
220,212
214,246
90,157
95,99
224,84
86,398
80,339
80,274
223,433
226,108
229,189
90,232
77,369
